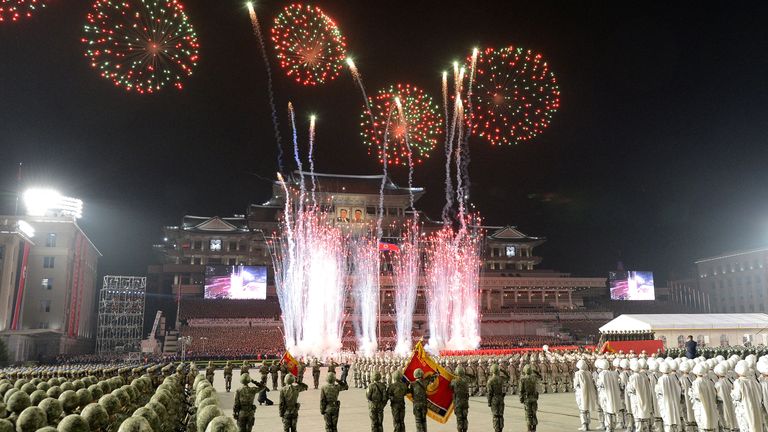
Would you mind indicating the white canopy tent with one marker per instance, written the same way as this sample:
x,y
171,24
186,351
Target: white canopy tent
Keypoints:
x,y
708,329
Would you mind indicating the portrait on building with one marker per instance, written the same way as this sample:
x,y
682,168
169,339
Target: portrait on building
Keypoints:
x,y
343,215
357,216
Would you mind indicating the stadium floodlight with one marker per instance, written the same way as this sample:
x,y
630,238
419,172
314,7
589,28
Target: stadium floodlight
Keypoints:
x,y
46,202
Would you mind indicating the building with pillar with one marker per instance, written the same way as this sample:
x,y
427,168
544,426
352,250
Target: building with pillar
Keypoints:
x,y
48,292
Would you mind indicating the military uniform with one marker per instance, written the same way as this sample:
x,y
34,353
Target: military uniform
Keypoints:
x,y
273,371
529,397
302,369
289,403
418,389
244,409
209,371
329,402
283,371
495,389
377,400
316,373
264,371
460,387
228,376
396,393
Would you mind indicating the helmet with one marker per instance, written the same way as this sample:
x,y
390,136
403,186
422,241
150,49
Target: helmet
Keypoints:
x,y
245,379
31,419
494,369
37,396
418,373
289,379
74,423
331,378
96,416
205,415
460,371
6,426
527,370
151,417
159,409
53,410
397,375
135,424
84,397
18,402
110,403
221,424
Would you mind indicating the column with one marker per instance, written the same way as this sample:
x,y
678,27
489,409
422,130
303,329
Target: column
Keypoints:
x,y
530,297
501,298
557,298
570,299
488,299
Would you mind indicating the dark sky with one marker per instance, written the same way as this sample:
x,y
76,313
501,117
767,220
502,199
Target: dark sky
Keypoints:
x,y
658,156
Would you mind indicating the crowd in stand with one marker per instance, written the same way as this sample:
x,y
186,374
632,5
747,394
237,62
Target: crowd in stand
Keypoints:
x,y
233,342
224,308
502,342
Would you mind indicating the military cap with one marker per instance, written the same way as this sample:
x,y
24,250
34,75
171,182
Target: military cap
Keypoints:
x,y
73,423
31,419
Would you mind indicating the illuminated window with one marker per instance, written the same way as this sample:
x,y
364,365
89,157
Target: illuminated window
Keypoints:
x,y
215,245
50,241
511,251
48,262
47,283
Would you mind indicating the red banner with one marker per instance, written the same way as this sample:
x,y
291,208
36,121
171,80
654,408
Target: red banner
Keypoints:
x,y
649,346
291,363
509,351
439,392
383,247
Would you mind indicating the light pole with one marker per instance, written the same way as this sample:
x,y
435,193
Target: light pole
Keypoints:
x,y
185,340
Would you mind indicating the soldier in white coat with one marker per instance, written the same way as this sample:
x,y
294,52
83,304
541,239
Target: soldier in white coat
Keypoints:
x,y
762,368
668,394
703,396
725,409
624,374
653,375
686,381
747,400
586,393
640,396
608,392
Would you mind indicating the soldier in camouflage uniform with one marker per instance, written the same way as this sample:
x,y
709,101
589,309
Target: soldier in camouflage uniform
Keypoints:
x,y
481,370
377,401
396,393
283,369
529,397
244,368
302,369
329,401
316,372
228,376
496,395
244,408
209,371
460,386
418,389
264,371
544,373
274,369
356,372
289,403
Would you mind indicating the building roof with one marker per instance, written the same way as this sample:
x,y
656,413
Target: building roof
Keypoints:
x,y
351,184
650,322
510,233
732,254
214,224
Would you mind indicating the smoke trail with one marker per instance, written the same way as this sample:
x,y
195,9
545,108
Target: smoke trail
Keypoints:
x,y
359,80
275,125
404,123
365,286
380,217
311,157
406,280
296,157
465,143
459,177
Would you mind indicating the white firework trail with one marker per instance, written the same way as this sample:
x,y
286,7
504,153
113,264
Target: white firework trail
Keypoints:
x,y
406,265
365,257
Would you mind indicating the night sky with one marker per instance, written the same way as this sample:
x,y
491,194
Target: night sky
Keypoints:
x,y
658,156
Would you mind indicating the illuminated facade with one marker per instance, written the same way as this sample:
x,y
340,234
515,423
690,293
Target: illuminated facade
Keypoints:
x,y
735,282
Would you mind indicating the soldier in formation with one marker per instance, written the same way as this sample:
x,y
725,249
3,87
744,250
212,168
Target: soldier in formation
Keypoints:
x,y
316,372
209,372
228,376
529,397
244,408
377,401
496,395
289,403
329,401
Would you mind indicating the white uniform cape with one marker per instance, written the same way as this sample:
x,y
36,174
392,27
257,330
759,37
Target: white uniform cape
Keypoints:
x,y
668,394
704,398
609,392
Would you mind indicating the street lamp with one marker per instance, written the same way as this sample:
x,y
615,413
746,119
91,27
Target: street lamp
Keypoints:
x,y
185,340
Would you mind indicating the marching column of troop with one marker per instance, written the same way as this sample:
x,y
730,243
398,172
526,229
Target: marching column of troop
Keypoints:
x,y
649,393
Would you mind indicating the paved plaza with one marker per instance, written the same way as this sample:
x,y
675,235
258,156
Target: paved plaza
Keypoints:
x,y
557,412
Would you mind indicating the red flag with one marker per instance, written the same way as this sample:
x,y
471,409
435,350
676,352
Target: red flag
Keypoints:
x,y
384,247
291,363
439,392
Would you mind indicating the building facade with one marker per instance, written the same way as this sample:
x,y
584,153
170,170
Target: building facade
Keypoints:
x,y
49,289
735,281
510,283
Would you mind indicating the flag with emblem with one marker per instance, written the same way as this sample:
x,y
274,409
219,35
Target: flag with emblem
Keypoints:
x,y
291,364
439,391
388,247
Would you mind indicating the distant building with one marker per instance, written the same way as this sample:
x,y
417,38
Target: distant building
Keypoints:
x,y
48,288
516,297
735,281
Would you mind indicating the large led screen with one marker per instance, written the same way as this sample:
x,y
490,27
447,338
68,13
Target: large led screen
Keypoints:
x,y
631,285
235,282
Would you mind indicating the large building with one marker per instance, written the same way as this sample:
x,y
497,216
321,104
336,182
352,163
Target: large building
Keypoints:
x,y
735,281
516,296
48,290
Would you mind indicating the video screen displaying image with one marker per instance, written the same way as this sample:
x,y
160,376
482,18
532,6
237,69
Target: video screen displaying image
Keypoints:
x,y
631,285
236,282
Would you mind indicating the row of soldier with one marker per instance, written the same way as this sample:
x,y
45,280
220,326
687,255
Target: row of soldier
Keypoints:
x,y
642,393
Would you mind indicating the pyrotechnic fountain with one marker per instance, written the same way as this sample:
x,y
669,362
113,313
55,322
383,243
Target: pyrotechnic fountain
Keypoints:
x,y
406,267
365,286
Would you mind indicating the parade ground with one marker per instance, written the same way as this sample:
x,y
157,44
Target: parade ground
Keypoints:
x,y
557,412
